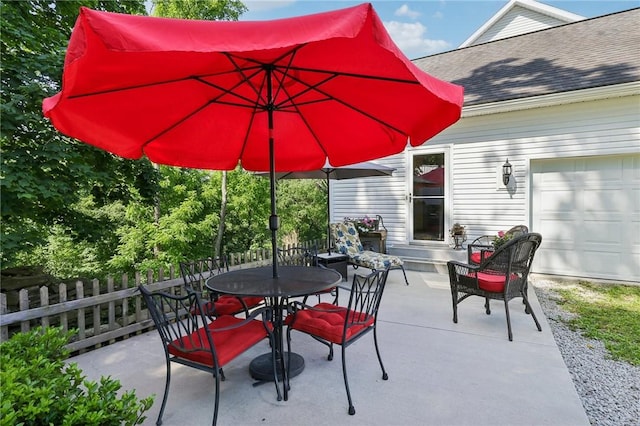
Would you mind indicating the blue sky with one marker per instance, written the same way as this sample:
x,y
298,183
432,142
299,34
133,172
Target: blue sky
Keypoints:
x,y
422,28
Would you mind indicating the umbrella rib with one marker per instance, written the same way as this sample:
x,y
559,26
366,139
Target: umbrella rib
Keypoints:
x,y
354,75
155,83
331,97
176,124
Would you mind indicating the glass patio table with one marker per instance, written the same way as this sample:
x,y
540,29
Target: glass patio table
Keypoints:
x,y
292,281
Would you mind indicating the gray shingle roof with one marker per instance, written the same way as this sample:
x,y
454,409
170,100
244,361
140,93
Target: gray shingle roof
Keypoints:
x,y
590,53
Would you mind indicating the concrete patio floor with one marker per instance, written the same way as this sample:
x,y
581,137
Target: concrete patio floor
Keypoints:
x,y
440,373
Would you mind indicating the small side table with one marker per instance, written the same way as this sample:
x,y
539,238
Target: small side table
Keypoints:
x,y
374,240
335,261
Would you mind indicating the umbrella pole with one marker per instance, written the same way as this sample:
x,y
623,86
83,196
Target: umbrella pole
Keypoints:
x,y
273,219
328,217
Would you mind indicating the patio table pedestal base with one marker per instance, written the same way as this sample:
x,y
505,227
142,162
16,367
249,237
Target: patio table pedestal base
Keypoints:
x,y
261,367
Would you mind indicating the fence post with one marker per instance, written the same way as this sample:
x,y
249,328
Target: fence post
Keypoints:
x,y
96,310
82,325
24,306
4,332
125,301
62,292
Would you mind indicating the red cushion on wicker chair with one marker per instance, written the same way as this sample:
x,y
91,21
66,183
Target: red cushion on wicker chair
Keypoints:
x,y
476,257
326,321
228,343
490,282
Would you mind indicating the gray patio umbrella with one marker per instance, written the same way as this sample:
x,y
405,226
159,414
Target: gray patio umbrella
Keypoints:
x,y
327,172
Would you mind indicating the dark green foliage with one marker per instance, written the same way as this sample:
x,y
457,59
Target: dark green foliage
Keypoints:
x,y
39,388
43,172
80,212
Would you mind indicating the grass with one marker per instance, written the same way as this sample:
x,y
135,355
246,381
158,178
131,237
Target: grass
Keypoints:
x,y
608,313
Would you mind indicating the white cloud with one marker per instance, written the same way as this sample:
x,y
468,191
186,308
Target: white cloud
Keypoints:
x,y
411,39
405,11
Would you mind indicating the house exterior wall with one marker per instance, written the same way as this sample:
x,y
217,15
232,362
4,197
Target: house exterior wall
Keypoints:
x,y
477,147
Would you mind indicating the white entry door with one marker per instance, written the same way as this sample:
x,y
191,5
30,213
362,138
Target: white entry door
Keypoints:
x,y
588,212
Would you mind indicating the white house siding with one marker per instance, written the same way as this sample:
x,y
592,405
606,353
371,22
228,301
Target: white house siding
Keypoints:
x,y
479,145
379,195
518,20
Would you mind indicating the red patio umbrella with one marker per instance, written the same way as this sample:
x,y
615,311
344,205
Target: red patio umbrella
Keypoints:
x,y
283,95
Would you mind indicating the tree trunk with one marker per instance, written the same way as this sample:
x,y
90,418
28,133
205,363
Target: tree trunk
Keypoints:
x,y
223,212
156,214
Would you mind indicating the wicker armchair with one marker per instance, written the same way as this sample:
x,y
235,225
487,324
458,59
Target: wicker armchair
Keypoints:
x,y
347,241
501,276
483,246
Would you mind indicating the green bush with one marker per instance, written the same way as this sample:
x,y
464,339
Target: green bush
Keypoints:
x,y
39,388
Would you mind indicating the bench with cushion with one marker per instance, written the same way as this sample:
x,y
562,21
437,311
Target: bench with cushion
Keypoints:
x,y
347,241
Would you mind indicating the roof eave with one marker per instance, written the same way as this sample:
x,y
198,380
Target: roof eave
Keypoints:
x,y
553,99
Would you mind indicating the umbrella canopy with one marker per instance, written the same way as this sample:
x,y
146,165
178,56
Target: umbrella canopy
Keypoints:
x,y
283,95
327,172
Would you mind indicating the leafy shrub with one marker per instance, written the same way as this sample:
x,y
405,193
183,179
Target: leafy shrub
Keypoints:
x,y
39,388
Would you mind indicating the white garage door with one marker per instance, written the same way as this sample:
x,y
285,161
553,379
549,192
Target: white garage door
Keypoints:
x,y
588,212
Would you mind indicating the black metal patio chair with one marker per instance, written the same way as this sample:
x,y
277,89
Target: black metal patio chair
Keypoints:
x,y
192,339
305,256
331,324
195,274
501,276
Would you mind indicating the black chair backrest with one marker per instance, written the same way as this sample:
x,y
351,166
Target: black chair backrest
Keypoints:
x,y
298,256
176,318
366,294
517,230
196,272
514,257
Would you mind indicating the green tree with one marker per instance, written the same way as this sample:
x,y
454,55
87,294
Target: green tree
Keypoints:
x,y
45,174
221,10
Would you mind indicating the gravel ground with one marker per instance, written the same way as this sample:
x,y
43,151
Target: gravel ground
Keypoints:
x,y
610,390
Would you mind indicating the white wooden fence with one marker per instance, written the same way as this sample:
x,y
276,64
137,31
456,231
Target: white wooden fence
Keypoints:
x,y
101,312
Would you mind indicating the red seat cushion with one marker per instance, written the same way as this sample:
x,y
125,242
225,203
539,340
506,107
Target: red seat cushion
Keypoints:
x,y
326,321
229,305
228,343
476,257
490,282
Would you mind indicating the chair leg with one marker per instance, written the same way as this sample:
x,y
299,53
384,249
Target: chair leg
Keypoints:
x,y
528,310
506,308
166,392
216,404
352,409
487,307
454,298
385,376
405,274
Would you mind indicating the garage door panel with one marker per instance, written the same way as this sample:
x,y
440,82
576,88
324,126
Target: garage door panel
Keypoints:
x,y
605,200
557,200
588,212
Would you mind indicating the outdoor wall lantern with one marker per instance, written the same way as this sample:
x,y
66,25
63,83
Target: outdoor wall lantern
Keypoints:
x,y
506,172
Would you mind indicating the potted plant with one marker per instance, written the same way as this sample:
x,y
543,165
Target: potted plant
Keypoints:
x,y
501,239
459,235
